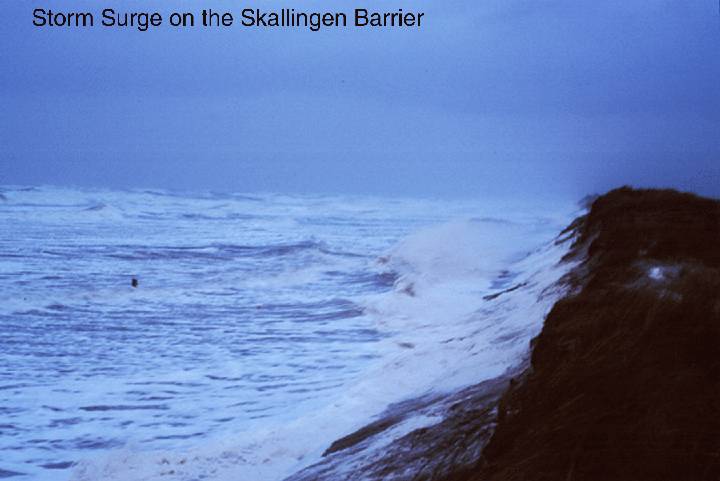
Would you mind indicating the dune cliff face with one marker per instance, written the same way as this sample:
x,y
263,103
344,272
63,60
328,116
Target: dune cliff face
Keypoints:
x,y
624,382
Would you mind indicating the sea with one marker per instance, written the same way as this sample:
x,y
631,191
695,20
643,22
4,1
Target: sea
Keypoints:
x,y
261,328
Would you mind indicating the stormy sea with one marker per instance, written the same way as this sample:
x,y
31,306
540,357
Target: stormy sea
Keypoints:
x,y
182,336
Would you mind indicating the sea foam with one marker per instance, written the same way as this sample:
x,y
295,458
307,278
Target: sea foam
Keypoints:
x,y
263,328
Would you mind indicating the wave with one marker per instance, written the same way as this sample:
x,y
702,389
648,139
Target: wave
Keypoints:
x,y
95,207
223,251
466,299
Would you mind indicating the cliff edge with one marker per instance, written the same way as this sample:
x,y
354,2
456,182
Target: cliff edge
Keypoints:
x,y
624,382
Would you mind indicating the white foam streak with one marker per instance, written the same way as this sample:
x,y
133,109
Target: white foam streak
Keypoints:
x,y
443,335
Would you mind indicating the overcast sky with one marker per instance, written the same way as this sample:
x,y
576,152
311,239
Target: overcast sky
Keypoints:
x,y
490,97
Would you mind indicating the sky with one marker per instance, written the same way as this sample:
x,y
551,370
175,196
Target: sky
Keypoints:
x,y
490,97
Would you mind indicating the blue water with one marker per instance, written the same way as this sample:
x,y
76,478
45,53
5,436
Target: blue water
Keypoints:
x,y
249,310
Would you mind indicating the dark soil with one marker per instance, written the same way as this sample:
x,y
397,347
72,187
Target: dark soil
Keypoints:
x,y
624,382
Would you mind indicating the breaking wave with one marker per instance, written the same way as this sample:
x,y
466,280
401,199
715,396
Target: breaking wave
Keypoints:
x,y
250,345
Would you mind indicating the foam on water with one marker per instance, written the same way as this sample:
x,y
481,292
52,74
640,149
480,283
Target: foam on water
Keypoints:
x,y
264,326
